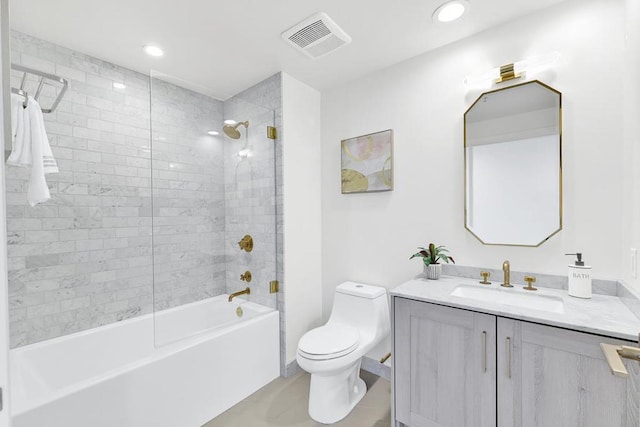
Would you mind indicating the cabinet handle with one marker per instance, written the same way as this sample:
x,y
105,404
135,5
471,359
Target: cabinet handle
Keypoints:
x,y
484,351
612,354
508,357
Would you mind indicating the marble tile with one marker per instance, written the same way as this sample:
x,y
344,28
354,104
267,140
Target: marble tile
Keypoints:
x,y
88,234
602,314
630,297
93,237
603,287
250,203
291,368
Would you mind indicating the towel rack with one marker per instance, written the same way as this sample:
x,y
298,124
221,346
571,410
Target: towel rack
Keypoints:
x,y
44,78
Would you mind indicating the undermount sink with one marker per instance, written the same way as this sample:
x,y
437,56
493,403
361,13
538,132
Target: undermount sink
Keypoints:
x,y
511,296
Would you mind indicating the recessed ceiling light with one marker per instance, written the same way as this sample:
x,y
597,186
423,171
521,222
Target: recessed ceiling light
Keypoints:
x,y
230,122
213,132
450,11
118,85
153,50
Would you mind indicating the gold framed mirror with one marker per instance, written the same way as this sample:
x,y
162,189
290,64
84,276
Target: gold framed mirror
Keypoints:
x,y
513,165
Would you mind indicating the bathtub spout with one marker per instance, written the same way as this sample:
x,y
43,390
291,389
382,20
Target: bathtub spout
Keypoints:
x,y
235,294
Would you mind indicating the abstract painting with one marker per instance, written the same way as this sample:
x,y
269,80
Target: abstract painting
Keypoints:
x,y
367,163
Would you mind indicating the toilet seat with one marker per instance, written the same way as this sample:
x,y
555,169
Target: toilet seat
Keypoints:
x,y
329,342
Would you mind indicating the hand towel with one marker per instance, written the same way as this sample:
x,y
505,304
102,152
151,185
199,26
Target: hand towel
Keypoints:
x,y
41,156
20,133
39,136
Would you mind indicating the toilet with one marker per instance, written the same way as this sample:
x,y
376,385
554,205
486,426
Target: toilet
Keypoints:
x,y
332,353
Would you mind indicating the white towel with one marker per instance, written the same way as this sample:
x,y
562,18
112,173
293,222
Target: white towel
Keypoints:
x,y
39,136
42,161
20,133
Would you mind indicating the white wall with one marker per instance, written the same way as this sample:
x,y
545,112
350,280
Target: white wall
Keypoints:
x,y
631,167
369,237
302,210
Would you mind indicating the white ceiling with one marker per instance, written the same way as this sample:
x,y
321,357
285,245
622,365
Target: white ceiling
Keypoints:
x,y
224,47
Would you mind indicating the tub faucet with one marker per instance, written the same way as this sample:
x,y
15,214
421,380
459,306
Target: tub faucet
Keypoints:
x,y
506,268
242,292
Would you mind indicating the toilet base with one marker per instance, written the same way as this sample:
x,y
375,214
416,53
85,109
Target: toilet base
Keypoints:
x,y
332,397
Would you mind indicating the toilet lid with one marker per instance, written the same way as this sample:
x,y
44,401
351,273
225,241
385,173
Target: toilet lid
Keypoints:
x,y
329,341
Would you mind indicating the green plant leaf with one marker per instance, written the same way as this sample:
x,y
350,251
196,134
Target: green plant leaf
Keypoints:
x,y
432,254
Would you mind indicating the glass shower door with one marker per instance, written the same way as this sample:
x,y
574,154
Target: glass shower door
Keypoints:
x,y
250,201
212,185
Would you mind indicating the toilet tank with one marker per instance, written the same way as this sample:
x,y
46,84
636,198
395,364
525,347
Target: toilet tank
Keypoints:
x,y
365,307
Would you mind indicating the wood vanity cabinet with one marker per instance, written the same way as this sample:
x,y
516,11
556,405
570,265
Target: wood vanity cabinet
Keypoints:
x,y
558,377
444,366
456,368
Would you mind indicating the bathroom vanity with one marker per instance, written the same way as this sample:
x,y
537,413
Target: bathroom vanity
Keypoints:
x,y
467,354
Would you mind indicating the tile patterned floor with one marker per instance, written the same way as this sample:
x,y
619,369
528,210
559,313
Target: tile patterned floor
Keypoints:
x,y
283,403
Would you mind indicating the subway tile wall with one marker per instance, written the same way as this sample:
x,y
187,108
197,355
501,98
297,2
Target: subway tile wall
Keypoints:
x,y
84,259
261,104
261,100
188,196
250,182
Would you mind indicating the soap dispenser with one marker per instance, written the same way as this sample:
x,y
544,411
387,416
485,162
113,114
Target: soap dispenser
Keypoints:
x,y
579,278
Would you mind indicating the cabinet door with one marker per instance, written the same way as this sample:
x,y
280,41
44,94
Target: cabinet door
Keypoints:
x,y
444,366
554,377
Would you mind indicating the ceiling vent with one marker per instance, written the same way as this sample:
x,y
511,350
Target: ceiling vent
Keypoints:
x,y
316,36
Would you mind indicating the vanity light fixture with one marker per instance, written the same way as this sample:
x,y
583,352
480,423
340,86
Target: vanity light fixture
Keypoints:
x,y
508,72
213,133
504,73
153,50
450,11
118,85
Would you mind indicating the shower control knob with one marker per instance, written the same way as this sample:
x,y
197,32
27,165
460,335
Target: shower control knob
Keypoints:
x,y
246,277
246,243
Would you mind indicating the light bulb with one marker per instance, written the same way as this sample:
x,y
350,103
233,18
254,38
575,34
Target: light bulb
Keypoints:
x,y
450,11
153,50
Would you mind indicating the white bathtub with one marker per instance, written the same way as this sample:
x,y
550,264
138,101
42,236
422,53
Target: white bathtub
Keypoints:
x,y
115,375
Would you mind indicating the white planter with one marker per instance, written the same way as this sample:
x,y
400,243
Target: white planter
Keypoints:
x,y
433,271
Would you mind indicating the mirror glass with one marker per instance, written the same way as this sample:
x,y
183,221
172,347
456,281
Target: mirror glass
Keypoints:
x,y
513,167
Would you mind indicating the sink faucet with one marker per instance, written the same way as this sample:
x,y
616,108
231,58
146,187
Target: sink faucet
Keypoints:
x,y
506,268
242,292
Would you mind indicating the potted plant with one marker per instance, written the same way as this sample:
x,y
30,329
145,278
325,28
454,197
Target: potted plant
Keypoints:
x,y
430,257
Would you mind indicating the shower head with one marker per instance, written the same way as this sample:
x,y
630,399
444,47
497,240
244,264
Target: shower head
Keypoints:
x,y
232,130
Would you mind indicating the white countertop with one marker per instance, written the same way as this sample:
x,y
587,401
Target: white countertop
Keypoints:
x,y
602,314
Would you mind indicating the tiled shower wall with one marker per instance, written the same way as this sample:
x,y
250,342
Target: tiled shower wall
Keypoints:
x,y
84,258
250,197
263,100
188,196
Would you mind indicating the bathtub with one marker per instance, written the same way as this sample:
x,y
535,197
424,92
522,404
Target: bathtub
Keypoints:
x,y
116,375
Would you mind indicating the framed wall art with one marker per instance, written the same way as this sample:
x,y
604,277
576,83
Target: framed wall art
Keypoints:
x,y
367,163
